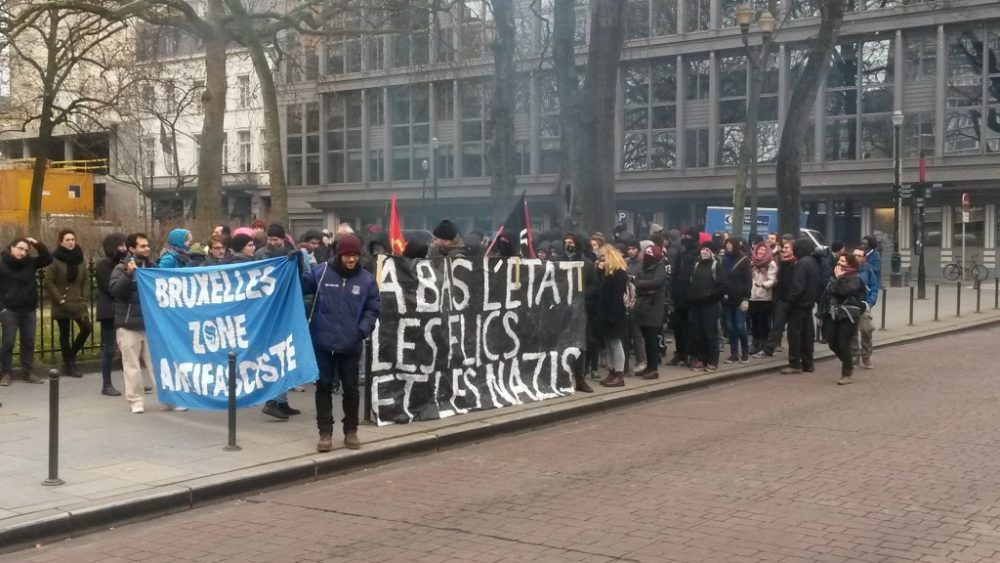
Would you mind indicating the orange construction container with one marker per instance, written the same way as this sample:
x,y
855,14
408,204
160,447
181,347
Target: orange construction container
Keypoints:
x,y
65,194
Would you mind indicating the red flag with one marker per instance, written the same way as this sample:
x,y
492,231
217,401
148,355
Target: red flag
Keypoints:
x,y
396,240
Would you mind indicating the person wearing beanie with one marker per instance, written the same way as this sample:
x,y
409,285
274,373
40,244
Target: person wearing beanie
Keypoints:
x,y
198,254
636,346
415,249
650,294
656,229
587,362
447,243
708,285
343,314
243,249
176,254
276,245
114,252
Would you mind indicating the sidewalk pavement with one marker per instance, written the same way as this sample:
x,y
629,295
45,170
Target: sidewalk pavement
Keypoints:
x,y
121,467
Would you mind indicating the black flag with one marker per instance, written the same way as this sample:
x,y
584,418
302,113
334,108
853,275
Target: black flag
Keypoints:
x,y
517,228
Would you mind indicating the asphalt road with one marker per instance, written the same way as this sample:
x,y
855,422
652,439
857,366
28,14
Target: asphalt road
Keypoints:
x,y
902,465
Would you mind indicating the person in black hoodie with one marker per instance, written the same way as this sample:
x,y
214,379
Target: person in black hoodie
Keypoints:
x,y
680,283
708,285
736,302
840,308
801,298
114,252
573,252
18,303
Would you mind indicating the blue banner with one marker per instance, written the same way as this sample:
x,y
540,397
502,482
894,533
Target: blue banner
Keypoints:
x,y
196,316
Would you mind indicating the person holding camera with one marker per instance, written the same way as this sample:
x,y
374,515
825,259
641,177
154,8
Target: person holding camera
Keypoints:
x,y
841,306
18,305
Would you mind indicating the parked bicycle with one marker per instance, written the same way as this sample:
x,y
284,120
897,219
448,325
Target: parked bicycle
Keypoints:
x,y
972,270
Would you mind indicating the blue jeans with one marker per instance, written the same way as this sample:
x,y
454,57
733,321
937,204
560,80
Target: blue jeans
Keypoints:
x,y
736,327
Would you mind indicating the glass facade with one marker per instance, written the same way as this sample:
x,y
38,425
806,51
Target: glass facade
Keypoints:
x,y
674,111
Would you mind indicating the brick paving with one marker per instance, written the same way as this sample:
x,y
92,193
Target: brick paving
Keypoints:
x,y
903,465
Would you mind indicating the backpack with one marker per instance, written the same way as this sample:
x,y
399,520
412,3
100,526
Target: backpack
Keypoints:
x,y
629,297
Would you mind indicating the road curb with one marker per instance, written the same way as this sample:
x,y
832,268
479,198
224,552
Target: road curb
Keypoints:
x,y
66,522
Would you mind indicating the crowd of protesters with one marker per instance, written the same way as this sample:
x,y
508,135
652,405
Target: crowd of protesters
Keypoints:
x,y
704,293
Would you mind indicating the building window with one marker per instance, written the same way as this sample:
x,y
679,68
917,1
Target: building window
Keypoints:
x,y
476,28
444,101
698,76
698,14
444,43
410,110
149,156
650,115
476,132
376,165
859,101
411,47
343,51
549,128
375,53
243,86
972,58
343,137
695,148
637,19
445,162
665,17
376,107
302,144
920,55
225,152
918,134
243,146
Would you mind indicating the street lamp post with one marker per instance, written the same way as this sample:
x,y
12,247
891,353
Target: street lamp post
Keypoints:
x,y
423,190
896,278
434,174
757,61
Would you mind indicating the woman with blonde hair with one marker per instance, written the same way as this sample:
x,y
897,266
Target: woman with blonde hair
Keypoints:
x,y
612,322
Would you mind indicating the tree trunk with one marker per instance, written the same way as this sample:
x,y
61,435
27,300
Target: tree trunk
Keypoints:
x,y
45,125
596,158
748,146
269,99
209,207
502,151
568,211
788,167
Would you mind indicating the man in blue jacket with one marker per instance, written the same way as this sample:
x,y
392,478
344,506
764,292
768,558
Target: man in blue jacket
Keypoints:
x,y
343,314
862,342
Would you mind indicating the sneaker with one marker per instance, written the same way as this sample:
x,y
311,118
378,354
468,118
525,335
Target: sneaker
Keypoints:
x,y
287,409
31,377
697,365
732,360
711,367
651,374
844,380
809,369
639,368
790,370
761,355
5,380
176,408
867,363
745,358
110,391
271,409
325,443
677,361
137,409
351,441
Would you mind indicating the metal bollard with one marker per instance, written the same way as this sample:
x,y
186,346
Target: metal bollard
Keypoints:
x,y
958,299
367,405
979,294
885,294
53,479
911,305
996,293
231,444
937,300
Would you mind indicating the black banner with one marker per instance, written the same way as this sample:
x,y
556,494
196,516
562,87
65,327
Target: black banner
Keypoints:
x,y
459,334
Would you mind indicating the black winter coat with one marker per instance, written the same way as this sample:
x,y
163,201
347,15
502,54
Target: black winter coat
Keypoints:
x,y
649,295
18,287
804,290
708,282
784,282
680,278
739,282
845,290
611,319
105,303
125,292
